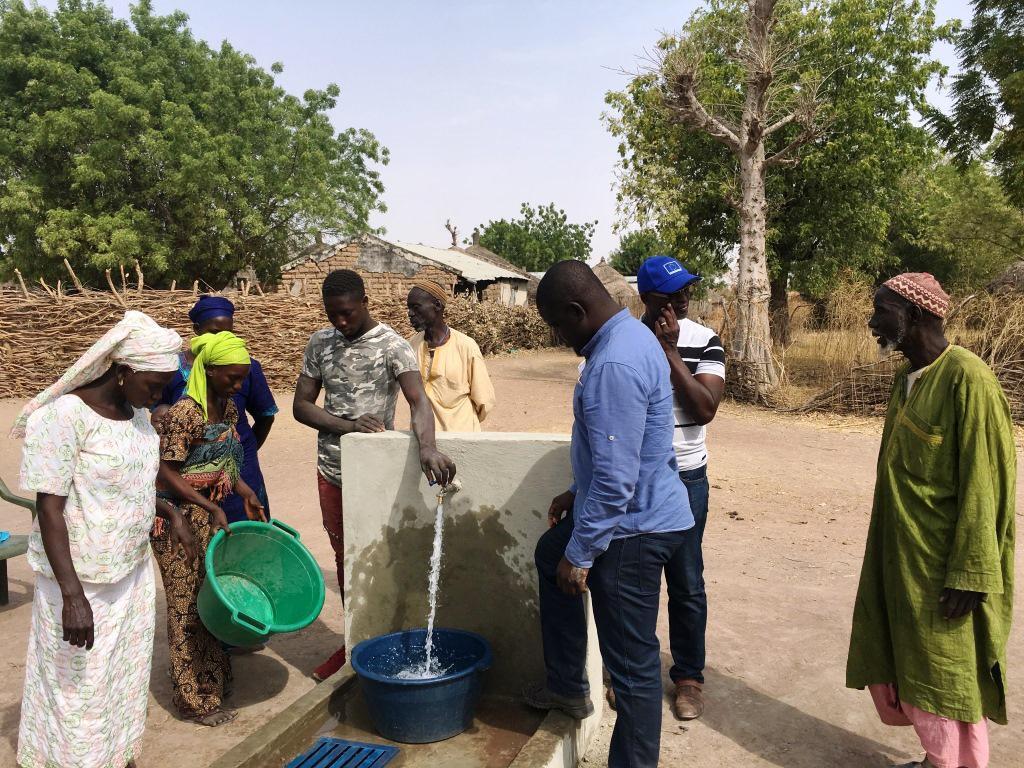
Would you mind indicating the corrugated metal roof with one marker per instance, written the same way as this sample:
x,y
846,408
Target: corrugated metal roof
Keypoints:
x,y
470,267
492,258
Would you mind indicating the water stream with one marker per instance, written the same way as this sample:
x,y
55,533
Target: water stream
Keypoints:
x,y
431,667
435,577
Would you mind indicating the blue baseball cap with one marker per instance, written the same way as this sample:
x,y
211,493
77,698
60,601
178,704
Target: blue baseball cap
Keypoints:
x,y
664,275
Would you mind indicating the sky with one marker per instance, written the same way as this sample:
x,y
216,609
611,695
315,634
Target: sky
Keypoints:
x,y
483,104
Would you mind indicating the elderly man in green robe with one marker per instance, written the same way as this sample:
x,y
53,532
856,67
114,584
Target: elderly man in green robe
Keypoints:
x,y
933,608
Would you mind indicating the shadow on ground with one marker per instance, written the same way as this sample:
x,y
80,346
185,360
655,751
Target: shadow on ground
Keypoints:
x,y
9,718
258,677
307,649
781,733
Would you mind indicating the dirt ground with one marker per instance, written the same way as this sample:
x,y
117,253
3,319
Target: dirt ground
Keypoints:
x,y
789,511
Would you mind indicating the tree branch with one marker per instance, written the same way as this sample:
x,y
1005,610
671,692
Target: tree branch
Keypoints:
x,y
681,95
758,61
780,124
782,156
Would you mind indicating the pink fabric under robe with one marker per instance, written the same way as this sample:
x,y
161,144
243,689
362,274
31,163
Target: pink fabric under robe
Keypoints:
x,y
948,743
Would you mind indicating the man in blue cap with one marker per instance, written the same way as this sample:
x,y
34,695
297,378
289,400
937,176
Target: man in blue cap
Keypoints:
x,y
696,360
212,314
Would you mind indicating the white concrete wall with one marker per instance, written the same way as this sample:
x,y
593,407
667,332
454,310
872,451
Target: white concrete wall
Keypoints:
x,y
520,295
488,578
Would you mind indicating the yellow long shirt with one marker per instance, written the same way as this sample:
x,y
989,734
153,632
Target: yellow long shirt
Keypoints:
x,y
456,381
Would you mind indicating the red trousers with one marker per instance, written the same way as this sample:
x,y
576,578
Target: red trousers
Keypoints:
x,y
330,508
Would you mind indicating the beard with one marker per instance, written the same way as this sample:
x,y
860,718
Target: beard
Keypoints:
x,y
888,346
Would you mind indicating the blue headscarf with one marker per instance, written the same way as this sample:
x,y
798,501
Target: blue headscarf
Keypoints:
x,y
209,307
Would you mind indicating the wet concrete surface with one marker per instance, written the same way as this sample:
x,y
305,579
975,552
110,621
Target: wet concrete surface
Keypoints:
x,y
500,730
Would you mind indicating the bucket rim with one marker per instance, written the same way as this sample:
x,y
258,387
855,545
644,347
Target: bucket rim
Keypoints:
x,y
481,665
261,527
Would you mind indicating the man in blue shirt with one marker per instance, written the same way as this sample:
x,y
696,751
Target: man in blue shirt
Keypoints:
x,y
212,314
624,515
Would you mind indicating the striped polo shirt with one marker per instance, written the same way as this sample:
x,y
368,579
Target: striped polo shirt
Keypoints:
x,y
701,350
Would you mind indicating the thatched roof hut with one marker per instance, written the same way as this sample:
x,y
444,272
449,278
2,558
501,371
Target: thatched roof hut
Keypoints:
x,y
620,290
1011,280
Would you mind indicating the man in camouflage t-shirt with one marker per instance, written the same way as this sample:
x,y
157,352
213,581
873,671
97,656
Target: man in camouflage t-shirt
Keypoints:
x,y
360,364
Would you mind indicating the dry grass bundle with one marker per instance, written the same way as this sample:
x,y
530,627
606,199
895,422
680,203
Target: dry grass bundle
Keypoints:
x,y
496,327
863,391
990,326
42,334
823,352
993,328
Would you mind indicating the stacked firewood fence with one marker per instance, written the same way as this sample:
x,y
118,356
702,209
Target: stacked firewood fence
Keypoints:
x,y
43,329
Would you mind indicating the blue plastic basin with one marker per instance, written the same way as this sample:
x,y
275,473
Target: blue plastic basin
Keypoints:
x,y
421,711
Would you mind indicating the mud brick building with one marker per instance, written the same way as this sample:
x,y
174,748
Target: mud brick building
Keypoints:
x,y
392,268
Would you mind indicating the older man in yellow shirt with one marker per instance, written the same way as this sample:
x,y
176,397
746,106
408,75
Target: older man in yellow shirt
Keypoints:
x,y
453,370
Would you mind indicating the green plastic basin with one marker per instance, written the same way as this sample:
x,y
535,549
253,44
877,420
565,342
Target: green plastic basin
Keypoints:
x,y
260,581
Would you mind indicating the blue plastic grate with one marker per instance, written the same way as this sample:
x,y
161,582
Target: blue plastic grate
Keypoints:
x,y
340,753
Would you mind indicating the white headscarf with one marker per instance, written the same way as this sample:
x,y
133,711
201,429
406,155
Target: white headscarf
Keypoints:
x,y
137,341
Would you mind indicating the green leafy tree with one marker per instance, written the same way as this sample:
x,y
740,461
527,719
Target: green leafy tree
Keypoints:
x,y
133,140
784,127
703,257
538,238
634,248
988,94
957,224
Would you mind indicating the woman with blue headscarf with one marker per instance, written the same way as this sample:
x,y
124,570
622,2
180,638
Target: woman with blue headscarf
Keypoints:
x,y
212,314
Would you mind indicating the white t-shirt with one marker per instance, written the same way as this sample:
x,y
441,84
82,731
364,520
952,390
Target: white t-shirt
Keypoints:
x,y
701,350
912,378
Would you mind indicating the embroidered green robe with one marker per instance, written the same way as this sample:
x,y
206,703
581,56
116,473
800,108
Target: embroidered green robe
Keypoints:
x,y
943,516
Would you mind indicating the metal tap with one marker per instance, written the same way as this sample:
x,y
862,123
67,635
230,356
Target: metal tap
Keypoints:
x,y
448,490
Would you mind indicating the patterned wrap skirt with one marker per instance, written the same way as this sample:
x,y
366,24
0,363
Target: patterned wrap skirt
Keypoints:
x,y
87,709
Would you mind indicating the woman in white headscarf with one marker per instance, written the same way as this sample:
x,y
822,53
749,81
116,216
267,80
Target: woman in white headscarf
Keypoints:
x,y
91,456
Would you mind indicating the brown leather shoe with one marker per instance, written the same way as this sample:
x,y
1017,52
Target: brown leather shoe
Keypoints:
x,y
688,703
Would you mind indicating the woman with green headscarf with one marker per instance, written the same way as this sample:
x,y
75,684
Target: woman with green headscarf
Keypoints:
x,y
200,464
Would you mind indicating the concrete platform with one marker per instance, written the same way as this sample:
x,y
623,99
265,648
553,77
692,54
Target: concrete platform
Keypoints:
x,y
499,732
505,734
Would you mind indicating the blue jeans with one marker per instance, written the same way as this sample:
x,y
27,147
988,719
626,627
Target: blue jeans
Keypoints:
x,y
684,574
625,587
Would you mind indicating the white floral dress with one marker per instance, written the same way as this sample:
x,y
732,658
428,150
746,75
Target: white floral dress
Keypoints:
x,y
87,709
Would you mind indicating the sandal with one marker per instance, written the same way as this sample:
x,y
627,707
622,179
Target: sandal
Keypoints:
x,y
219,716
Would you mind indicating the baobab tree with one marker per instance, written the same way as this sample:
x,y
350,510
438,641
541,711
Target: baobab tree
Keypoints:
x,y
770,110
790,128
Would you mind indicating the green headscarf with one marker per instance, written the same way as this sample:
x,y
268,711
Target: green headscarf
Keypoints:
x,y
222,348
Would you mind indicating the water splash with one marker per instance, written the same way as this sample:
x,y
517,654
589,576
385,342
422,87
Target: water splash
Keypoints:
x,y
420,672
